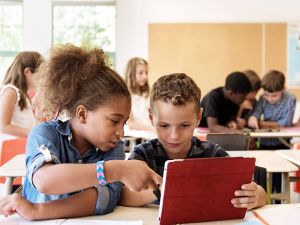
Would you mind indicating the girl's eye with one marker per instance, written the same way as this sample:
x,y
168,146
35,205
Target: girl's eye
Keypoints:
x,y
115,121
185,125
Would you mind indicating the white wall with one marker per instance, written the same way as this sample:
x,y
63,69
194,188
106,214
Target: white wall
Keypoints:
x,y
133,17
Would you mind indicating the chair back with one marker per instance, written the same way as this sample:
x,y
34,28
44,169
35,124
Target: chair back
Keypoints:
x,y
9,149
230,142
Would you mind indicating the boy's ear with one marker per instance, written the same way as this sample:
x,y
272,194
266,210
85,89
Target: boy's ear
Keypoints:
x,y
199,116
151,116
81,114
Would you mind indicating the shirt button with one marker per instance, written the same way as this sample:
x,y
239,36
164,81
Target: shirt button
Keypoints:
x,y
79,161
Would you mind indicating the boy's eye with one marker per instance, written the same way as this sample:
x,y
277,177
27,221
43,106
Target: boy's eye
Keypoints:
x,y
185,125
164,125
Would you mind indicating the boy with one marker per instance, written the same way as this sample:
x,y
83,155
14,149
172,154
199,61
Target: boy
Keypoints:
x,y
247,107
221,105
277,107
175,112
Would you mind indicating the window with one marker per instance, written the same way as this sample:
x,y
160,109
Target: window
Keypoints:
x,y
86,24
11,33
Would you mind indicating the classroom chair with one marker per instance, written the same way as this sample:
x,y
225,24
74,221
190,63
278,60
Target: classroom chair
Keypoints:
x,y
9,149
229,142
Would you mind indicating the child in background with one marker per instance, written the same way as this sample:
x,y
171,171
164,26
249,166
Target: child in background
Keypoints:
x,y
247,107
276,106
175,112
136,78
62,157
221,105
16,116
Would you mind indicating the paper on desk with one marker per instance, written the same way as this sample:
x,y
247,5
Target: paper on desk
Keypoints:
x,y
280,214
17,220
101,222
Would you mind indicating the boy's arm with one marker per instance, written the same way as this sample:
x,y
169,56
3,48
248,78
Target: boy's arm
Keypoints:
x,y
77,205
132,198
268,124
214,126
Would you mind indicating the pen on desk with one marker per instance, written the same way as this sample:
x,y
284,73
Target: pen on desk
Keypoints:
x,y
260,218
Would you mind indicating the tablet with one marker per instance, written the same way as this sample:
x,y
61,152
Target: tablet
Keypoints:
x,y
198,190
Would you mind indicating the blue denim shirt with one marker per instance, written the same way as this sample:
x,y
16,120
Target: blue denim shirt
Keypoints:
x,y
57,137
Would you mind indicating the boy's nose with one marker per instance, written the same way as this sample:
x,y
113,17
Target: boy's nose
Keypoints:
x,y
174,133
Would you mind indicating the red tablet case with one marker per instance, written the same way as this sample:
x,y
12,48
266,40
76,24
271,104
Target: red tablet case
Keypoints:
x,y
198,190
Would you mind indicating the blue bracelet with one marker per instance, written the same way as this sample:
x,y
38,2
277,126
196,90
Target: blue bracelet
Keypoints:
x,y
100,173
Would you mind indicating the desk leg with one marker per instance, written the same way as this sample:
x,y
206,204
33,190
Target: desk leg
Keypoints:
x,y
269,187
8,186
286,180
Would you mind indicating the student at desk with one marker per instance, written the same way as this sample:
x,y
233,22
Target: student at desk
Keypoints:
x,y
274,109
248,105
175,112
16,115
136,78
73,167
221,105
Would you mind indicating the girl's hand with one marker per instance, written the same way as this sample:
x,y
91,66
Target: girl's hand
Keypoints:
x,y
16,203
247,197
134,174
137,176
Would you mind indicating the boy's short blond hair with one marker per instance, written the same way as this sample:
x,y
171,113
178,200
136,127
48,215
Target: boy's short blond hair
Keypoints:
x,y
273,81
176,88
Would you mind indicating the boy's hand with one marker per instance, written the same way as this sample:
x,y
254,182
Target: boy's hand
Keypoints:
x,y
247,197
253,122
240,123
232,125
16,203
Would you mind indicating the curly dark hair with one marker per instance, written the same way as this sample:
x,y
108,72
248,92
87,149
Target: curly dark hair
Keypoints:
x,y
74,76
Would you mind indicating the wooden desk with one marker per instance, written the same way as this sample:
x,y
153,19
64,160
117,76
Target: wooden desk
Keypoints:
x,y
291,155
12,169
149,214
274,164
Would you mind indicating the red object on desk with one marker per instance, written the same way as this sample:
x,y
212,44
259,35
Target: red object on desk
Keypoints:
x,y
9,149
297,184
198,190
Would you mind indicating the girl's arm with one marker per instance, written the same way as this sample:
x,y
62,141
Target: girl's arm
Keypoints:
x,y
77,205
136,199
8,100
67,178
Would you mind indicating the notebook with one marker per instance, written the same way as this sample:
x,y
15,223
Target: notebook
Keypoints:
x,y
198,190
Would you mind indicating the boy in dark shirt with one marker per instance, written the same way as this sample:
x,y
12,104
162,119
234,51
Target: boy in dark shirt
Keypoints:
x,y
175,112
221,105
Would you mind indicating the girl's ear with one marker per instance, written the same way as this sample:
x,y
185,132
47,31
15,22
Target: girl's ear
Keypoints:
x,y
27,71
81,114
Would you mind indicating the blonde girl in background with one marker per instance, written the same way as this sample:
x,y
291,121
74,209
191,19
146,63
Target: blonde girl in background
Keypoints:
x,y
136,77
16,115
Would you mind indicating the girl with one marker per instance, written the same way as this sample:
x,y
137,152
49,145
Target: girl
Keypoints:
x,y
16,116
137,81
61,157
